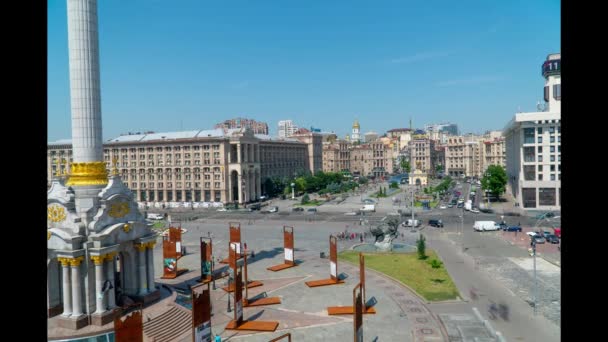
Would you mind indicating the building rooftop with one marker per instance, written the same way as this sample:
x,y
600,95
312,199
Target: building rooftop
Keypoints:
x,y
61,142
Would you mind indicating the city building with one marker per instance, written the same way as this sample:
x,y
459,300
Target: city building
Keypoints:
x,y
370,136
356,136
470,155
314,143
449,128
422,154
404,135
256,127
203,166
361,160
286,128
533,147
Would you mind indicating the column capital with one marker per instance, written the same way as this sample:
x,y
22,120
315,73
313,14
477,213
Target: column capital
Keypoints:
x,y
140,246
64,261
98,259
76,261
110,256
150,245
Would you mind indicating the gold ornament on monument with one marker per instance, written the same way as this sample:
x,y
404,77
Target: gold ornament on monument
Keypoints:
x,y
92,173
48,235
126,228
55,213
119,209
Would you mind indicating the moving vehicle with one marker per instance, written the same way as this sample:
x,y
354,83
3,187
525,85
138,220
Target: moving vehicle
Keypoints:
x,y
481,226
551,238
537,238
475,210
436,223
513,229
312,210
408,223
156,217
272,209
368,201
296,209
443,206
368,208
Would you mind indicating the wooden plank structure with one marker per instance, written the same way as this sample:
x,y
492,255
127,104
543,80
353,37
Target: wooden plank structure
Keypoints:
x,y
172,253
288,248
348,310
132,328
175,234
235,236
201,314
234,251
207,264
333,266
288,336
238,323
358,313
247,302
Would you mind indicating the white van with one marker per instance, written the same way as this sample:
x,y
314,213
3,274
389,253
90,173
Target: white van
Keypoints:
x,y
408,223
481,226
152,216
368,208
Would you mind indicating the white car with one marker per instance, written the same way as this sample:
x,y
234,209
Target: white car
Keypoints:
x,y
443,206
273,209
222,209
474,211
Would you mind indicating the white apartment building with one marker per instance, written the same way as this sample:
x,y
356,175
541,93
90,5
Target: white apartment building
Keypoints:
x,y
286,128
533,147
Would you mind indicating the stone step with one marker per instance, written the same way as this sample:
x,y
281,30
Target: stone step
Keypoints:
x,y
168,325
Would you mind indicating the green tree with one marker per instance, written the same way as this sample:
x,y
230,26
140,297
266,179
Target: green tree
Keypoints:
x,y
394,185
438,168
421,246
405,165
363,180
494,180
305,199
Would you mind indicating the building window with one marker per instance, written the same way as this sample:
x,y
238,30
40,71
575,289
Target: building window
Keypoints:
x,y
557,92
552,168
539,130
551,130
540,177
546,196
540,168
540,149
218,196
540,158
528,135
552,149
529,197
529,172
207,195
539,140
216,185
552,158
529,154
552,176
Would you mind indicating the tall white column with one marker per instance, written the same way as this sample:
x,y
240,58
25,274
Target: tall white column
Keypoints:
x,y
252,186
141,268
99,280
258,182
110,275
150,262
240,185
84,81
246,152
67,287
238,154
76,289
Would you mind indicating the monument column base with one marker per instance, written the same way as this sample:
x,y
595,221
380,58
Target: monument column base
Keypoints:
x,y
55,310
102,318
72,322
148,298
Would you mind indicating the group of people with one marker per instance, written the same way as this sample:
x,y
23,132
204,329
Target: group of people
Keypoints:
x,y
345,235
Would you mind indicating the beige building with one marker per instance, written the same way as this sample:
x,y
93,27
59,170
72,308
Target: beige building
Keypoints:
x,y
372,159
470,155
423,155
314,143
202,166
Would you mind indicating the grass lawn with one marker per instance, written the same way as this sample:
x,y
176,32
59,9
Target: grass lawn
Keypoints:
x,y
433,284
158,225
313,203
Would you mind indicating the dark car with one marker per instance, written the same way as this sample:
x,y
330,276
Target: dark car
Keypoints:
x,y
551,238
312,210
538,239
436,223
460,205
513,229
296,209
502,226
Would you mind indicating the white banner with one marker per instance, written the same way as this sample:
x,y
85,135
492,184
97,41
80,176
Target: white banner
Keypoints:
x,y
333,269
178,247
289,254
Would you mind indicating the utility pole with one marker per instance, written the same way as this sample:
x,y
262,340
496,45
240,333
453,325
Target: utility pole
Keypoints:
x,y
535,293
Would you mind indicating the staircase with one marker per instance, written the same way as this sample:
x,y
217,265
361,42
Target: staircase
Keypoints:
x,y
169,325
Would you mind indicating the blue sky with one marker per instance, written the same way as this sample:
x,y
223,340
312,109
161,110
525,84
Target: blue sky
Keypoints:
x,y
168,65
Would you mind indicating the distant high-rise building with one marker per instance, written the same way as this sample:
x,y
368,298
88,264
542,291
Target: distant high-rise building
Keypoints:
x,y
256,127
447,127
286,128
533,147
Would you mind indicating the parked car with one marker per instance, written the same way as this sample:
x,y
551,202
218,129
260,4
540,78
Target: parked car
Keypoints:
x,y
474,210
408,223
368,201
312,210
436,223
513,229
537,238
450,205
273,209
485,225
551,238
296,209
443,206
503,226
545,215
460,205
558,232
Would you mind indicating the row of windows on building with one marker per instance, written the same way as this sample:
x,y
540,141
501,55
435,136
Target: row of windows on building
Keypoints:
x,y
151,195
530,172
546,197
187,185
165,148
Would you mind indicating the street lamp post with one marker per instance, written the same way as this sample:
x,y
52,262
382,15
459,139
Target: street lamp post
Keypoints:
x,y
229,309
534,293
293,191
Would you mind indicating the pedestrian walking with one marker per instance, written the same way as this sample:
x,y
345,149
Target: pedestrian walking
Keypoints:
x,y
245,245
